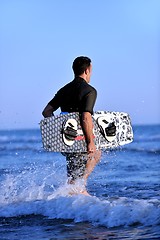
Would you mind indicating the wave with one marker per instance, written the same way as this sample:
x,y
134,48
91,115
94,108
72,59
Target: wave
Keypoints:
x,y
109,213
66,202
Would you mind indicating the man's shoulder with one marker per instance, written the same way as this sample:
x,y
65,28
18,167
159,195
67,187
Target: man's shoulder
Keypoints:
x,y
84,84
90,88
65,87
75,84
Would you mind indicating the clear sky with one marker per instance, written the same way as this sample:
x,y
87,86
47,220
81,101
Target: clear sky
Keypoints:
x,y
39,40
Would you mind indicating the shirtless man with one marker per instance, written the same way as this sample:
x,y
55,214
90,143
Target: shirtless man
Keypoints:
x,y
78,96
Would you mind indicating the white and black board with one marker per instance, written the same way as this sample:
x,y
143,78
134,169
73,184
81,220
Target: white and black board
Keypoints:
x,y
63,132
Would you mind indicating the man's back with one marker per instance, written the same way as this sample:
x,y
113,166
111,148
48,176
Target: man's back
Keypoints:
x,y
76,96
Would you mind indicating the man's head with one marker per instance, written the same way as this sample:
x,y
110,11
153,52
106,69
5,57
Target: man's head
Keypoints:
x,y
82,67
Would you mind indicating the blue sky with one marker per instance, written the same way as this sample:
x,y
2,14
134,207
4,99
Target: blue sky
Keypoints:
x,y
40,39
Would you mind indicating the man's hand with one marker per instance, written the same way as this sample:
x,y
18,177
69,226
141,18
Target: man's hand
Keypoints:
x,y
91,148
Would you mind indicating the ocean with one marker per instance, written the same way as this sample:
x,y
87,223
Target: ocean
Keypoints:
x,y
125,189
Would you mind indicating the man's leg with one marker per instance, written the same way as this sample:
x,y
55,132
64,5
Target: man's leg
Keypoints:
x,y
80,166
76,165
93,159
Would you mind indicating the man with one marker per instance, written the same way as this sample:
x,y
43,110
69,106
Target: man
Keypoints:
x,y
78,96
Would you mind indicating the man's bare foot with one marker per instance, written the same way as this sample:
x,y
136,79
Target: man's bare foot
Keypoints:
x,y
84,192
77,193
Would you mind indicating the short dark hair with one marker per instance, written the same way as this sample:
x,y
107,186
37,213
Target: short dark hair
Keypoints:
x,y
80,64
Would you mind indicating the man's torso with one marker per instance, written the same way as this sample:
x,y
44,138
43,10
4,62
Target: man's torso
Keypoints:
x,y
76,96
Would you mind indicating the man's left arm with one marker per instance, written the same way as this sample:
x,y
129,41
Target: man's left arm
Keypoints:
x,y
48,111
52,106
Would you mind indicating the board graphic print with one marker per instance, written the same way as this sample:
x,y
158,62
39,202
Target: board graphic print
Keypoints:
x,y
63,132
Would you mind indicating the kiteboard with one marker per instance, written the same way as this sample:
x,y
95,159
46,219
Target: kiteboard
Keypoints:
x,y
63,132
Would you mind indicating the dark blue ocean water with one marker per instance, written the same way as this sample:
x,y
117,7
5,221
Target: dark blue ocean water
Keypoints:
x,y
125,189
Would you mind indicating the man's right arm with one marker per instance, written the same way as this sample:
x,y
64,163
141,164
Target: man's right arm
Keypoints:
x,y
48,111
86,119
87,126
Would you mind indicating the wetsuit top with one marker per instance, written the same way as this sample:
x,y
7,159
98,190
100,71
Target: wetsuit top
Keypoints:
x,y
76,96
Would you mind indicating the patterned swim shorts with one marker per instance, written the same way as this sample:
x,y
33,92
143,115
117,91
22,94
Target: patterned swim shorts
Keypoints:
x,y
76,164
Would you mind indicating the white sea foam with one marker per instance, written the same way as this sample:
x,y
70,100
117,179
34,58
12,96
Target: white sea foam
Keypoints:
x,y
60,204
81,208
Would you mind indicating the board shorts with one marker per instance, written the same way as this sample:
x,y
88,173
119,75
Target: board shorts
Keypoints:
x,y
76,164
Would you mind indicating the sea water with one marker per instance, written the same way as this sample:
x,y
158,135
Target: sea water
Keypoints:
x,y
34,196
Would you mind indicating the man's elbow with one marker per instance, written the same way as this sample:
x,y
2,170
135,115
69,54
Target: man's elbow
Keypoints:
x,y
48,111
86,115
44,114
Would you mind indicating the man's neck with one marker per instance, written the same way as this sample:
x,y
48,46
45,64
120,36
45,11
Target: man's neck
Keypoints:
x,y
84,77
